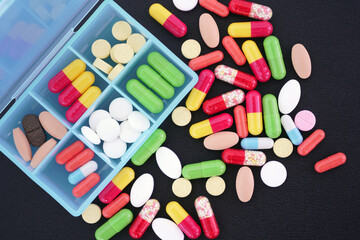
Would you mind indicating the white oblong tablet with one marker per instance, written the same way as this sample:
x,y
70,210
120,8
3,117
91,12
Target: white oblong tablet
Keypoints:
x,y
138,121
166,229
289,96
273,174
108,129
185,5
90,135
114,149
127,133
120,108
168,162
96,117
141,190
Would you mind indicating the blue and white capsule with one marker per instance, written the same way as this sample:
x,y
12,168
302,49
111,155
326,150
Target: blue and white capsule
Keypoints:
x,y
291,130
256,143
81,173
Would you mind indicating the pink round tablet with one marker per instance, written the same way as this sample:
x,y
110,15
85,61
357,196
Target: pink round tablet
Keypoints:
x,y
305,120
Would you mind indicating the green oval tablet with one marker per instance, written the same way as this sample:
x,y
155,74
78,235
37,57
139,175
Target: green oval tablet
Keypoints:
x,y
149,147
204,169
271,116
146,97
114,225
274,57
166,69
154,81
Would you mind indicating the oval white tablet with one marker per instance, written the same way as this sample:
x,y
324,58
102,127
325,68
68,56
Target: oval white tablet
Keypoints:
x,y
185,5
96,117
114,149
120,108
127,133
166,229
141,190
168,162
90,135
289,96
138,121
108,129
273,174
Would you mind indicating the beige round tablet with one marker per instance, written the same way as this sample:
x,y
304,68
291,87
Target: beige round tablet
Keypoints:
x,y
283,147
92,214
122,53
116,71
101,48
102,65
121,30
136,41
215,186
181,187
181,116
191,49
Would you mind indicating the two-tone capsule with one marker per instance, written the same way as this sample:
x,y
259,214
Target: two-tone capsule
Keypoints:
x,y
168,20
254,112
117,184
198,93
207,218
257,143
249,9
116,205
330,162
204,169
215,7
243,157
250,29
82,172
223,102
66,76
184,221
271,116
235,77
114,225
274,57
86,185
256,61
144,219
241,121
211,125
234,50
291,130
206,60
311,142
82,104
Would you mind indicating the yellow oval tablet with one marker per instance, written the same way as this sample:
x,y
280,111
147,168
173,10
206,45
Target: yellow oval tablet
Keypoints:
x,y
92,214
283,147
191,49
215,186
116,71
121,30
181,116
122,53
181,187
136,41
101,48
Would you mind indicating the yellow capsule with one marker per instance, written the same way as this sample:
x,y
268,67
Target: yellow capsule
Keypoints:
x,y
255,123
159,13
250,29
211,125
90,96
176,212
240,30
74,69
201,129
251,51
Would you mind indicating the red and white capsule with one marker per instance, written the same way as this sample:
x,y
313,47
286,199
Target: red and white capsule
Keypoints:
x,y
207,217
243,157
249,9
235,77
223,102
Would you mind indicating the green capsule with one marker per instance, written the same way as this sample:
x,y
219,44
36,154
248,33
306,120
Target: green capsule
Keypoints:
x,y
166,69
274,57
204,169
146,97
155,82
271,116
114,225
149,147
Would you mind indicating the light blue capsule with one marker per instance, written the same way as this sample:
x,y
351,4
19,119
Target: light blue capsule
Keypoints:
x,y
81,173
291,130
255,143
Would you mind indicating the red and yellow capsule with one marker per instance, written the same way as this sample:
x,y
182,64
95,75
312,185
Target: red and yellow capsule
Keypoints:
x,y
76,89
311,142
144,219
235,77
254,112
250,29
234,50
82,104
184,221
86,185
249,9
116,205
241,121
198,93
211,125
207,217
243,157
330,162
66,76
223,102
215,7
256,61
168,20
117,184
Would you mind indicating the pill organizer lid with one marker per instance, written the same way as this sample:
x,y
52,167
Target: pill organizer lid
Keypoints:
x,y
31,32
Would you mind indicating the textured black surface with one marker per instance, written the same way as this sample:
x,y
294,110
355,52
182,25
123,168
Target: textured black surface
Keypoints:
x,y
309,205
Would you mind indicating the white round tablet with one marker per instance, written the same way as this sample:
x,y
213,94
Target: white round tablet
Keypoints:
x,y
273,174
127,133
90,135
108,129
185,5
114,149
120,108
96,117
138,121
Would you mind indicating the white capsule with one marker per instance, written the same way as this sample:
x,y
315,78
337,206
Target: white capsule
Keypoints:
x,y
291,130
255,143
82,172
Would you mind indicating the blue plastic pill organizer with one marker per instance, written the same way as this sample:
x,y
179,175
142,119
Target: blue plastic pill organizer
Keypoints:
x,y
36,42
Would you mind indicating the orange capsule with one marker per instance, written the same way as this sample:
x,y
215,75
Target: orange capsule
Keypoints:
x,y
330,162
241,121
79,160
234,50
206,60
311,142
116,205
86,185
215,7
68,153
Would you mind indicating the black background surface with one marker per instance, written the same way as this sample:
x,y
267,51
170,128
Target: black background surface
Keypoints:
x,y
308,205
